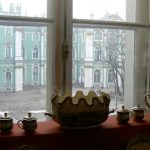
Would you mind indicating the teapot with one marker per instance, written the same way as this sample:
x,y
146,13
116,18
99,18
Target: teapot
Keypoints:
x,y
29,124
80,111
138,113
123,115
6,123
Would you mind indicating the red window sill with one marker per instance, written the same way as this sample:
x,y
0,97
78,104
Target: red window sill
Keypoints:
x,y
49,135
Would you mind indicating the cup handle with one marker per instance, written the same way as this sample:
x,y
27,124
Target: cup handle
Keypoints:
x,y
19,124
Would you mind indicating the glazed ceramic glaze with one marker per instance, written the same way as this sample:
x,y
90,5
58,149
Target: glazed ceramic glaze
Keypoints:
x,y
80,110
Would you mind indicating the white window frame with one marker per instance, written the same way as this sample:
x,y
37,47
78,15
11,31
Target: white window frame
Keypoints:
x,y
136,77
39,22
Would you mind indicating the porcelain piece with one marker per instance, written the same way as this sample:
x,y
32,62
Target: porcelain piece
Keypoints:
x,y
29,124
6,123
138,113
80,111
123,115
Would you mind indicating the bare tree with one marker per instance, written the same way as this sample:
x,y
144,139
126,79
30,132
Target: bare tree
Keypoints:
x,y
114,57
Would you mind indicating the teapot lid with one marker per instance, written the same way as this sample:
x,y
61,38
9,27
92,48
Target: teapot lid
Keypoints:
x,y
123,110
5,117
138,108
29,117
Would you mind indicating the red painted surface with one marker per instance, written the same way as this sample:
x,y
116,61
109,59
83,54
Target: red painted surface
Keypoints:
x,y
50,136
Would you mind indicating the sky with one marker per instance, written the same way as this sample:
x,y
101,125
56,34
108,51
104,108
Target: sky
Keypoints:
x,y
29,7
84,8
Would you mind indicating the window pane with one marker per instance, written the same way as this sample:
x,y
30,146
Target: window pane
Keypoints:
x,y
23,71
103,68
27,8
112,10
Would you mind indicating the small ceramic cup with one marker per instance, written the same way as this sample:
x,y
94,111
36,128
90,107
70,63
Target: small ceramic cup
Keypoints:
x,y
123,115
29,124
6,123
138,113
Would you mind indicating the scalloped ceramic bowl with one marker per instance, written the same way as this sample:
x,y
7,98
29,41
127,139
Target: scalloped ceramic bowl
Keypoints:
x,y
80,111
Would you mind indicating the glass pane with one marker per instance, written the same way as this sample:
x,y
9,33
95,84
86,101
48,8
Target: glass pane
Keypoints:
x,y
100,58
23,70
112,10
27,8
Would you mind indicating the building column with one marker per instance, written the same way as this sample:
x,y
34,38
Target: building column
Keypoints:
x,y
89,59
18,60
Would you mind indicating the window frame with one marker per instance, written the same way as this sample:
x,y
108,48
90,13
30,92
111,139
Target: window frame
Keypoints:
x,y
134,96
49,23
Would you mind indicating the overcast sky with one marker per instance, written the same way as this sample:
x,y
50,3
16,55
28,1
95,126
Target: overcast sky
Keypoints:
x,y
84,8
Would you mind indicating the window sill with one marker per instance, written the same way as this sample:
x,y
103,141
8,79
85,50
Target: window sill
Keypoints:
x,y
49,135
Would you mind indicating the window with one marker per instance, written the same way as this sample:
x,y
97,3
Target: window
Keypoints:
x,y
35,36
8,50
8,32
8,77
35,74
26,80
35,52
114,37
124,48
97,53
97,76
97,36
110,76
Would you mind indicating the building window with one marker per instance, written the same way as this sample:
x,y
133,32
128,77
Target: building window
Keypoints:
x,y
35,52
8,32
8,50
97,54
110,76
35,73
97,36
35,36
8,77
97,76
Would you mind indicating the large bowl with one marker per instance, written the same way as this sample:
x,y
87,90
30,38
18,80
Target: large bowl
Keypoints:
x,y
80,111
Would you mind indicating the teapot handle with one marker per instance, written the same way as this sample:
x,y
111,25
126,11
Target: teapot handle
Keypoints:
x,y
147,96
19,124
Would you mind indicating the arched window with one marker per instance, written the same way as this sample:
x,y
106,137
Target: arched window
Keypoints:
x,y
35,52
8,77
110,76
35,73
97,76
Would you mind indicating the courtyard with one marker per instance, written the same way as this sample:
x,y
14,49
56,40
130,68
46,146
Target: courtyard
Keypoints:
x,y
34,99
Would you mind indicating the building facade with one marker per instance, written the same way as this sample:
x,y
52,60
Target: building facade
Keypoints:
x,y
23,54
99,57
